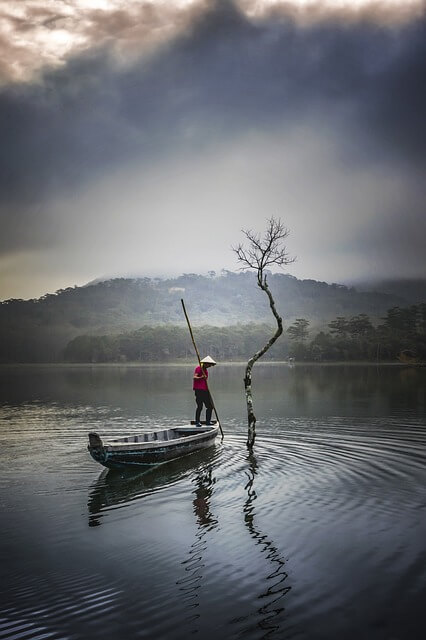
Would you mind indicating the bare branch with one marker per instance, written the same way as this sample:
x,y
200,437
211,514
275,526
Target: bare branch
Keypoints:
x,y
267,251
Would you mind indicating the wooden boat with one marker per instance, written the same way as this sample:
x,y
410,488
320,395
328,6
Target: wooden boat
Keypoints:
x,y
153,447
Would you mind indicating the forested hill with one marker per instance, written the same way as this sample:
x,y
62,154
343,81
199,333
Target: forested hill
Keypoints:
x,y
39,330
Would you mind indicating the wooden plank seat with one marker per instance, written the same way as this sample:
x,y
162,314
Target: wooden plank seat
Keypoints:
x,y
160,436
151,436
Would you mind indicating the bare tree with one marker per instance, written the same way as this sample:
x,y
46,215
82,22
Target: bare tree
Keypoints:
x,y
259,254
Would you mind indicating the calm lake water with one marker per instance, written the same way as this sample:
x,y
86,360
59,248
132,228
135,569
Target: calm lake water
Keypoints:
x,y
321,534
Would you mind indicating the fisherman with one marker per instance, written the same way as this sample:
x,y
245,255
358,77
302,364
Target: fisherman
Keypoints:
x,y
202,395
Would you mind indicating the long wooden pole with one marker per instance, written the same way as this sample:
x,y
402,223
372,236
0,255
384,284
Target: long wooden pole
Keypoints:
x,y
199,362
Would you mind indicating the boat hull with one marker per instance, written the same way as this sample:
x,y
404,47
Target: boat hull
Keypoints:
x,y
119,455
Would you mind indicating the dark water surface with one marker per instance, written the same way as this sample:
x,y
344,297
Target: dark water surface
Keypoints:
x,y
320,534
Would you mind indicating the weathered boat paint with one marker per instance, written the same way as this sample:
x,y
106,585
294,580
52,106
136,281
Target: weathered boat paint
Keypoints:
x,y
154,447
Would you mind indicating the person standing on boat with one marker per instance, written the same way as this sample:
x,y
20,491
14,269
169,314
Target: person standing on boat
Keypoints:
x,y
202,395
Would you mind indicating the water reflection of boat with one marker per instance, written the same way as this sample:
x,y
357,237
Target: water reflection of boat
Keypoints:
x,y
116,488
151,448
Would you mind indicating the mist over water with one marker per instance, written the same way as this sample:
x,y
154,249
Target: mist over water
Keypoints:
x,y
318,534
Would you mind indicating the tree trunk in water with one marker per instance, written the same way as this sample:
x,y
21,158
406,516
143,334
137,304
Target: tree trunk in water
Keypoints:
x,y
251,435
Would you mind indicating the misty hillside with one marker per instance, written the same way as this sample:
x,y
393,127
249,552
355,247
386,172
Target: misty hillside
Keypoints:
x,y
234,297
39,330
411,290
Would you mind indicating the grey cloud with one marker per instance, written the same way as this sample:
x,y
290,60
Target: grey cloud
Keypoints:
x,y
224,75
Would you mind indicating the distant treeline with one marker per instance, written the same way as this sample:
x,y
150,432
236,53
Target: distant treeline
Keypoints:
x,y
402,334
168,343
105,319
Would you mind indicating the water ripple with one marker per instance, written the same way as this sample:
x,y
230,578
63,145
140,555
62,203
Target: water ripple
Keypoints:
x,y
323,519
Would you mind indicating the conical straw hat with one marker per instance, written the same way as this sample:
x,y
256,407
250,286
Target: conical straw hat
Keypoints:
x,y
207,360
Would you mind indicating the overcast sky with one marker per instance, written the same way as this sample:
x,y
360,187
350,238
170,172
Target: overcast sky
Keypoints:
x,y
140,137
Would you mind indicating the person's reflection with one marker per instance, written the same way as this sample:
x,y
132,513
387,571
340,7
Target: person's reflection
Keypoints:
x,y
203,493
190,584
269,618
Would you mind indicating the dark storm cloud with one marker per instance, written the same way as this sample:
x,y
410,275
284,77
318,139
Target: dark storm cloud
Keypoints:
x,y
226,74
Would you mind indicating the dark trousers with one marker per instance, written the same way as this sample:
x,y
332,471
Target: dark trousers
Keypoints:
x,y
203,397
